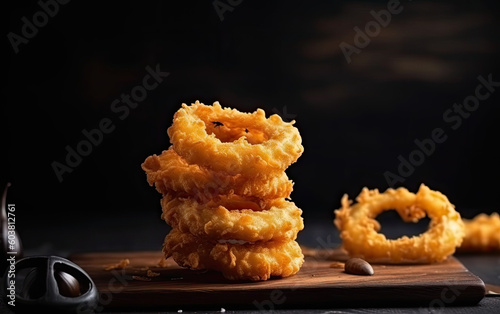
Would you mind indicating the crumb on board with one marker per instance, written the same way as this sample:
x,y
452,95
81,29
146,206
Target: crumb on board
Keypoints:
x,y
337,265
151,273
141,278
120,265
163,262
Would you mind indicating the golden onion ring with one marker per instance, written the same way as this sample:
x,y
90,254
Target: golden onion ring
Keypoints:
x,y
482,234
234,217
359,229
234,142
248,261
169,172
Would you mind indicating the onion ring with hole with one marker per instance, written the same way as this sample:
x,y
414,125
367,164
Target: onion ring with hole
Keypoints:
x,y
482,234
234,217
234,142
169,172
248,261
359,229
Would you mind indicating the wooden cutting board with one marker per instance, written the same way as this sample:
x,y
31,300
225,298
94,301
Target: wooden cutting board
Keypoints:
x,y
316,285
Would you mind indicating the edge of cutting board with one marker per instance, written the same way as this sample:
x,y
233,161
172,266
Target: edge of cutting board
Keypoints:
x,y
316,285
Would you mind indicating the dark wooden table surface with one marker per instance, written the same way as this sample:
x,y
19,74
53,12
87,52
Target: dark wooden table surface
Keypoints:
x,y
122,237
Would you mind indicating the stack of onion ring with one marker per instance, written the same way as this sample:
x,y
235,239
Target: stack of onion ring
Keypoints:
x,y
225,192
359,229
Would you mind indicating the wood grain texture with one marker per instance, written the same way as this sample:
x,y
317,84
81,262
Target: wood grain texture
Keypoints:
x,y
316,285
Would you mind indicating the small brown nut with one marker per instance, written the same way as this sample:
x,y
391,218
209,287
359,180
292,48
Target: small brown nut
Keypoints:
x,y
358,266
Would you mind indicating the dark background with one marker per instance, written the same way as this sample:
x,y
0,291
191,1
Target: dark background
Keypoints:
x,y
283,56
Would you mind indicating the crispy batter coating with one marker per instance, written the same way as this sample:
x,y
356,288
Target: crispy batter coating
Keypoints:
x,y
249,261
225,192
225,139
234,217
482,234
359,229
169,172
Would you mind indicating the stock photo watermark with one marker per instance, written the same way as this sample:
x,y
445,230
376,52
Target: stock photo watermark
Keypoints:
x,y
223,6
284,114
12,245
115,285
447,296
31,27
121,107
453,118
363,37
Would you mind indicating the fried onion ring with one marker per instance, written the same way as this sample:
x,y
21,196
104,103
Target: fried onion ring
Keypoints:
x,y
234,142
248,261
359,229
169,172
482,234
234,217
